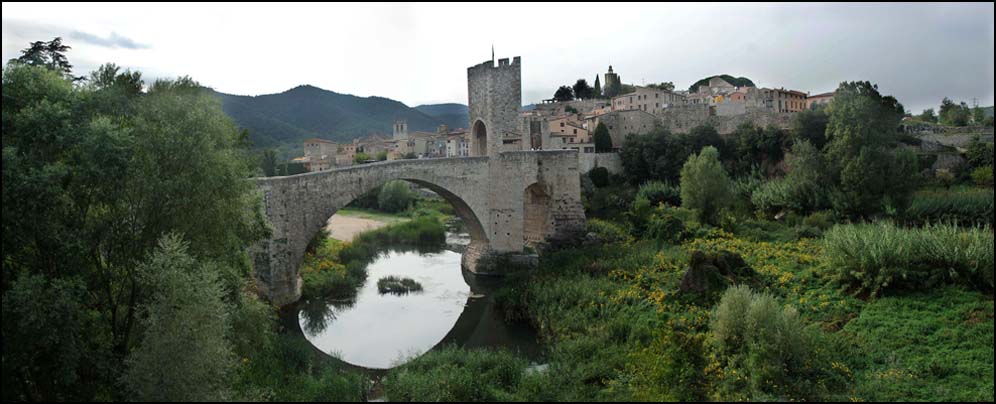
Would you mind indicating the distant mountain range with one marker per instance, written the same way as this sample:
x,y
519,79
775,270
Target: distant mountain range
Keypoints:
x,y
283,120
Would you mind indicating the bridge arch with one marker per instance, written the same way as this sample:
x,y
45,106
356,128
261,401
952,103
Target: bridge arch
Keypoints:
x,y
488,193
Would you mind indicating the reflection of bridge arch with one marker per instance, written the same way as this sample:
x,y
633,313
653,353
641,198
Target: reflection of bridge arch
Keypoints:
x,y
486,192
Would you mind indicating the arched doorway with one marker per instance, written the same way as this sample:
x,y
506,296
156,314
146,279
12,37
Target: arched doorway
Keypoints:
x,y
536,215
480,136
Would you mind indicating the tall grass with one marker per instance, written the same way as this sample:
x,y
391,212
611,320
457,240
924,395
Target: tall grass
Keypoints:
x,y
876,258
962,207
456,375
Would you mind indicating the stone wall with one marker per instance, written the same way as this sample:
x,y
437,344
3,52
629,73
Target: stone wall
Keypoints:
x,y
610,161
683,118
494,97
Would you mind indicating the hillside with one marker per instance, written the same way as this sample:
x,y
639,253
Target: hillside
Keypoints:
x,y
453,115
284,119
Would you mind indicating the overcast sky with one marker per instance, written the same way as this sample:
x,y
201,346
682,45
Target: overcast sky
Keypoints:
x,y
418,53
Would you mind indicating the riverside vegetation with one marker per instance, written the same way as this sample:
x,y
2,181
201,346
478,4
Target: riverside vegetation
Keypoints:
x,y
867,280
818,263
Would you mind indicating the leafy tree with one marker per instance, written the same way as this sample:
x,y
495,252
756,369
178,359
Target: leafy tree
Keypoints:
x,y
705,185
382,155
756,147
928,116
269,162
811,126
862,131
666,86
361,157
659,155
395,196
597,91
979,154
954,114
803,190
603,141
87,193
50,55
564,93
183,354
978,116
582,90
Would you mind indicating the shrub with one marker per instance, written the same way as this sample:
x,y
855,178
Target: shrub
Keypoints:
x,y
609,232
667,224
874,258
658,192
768,352
822,220
961,207
397,286
456,375
395,196
705,186
803,190
983,176
599,176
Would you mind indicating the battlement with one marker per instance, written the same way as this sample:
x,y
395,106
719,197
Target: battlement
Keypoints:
x,y
502,63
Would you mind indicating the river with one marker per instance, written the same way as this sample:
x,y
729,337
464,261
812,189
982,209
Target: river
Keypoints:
x,y
377,331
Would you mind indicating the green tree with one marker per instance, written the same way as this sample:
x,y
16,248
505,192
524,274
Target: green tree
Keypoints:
x,y
954,114
705,185
811,125
978,116
564,93
88,191
269,162
582,90
395,196
803,190
666,86
928,116
597,91
50,55
862,132
382,155
603,141
183,354
361,157
756,147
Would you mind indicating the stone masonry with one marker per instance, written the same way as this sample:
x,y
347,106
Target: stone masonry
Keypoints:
x,y
513,202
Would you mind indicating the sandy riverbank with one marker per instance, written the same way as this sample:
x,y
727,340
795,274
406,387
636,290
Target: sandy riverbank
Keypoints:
x,y
342,227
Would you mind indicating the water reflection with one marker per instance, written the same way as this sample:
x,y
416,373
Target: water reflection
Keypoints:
x,y
377,331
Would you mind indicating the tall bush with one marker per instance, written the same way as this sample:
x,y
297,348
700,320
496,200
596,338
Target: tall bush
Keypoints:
x,y
767,351
705,186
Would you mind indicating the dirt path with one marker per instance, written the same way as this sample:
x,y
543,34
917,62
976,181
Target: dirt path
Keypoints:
x,y
341,227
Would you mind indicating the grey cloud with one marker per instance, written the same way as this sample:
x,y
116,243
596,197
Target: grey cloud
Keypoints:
x,y
112,41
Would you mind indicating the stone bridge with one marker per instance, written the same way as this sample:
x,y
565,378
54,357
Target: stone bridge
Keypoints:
x,y
512,202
